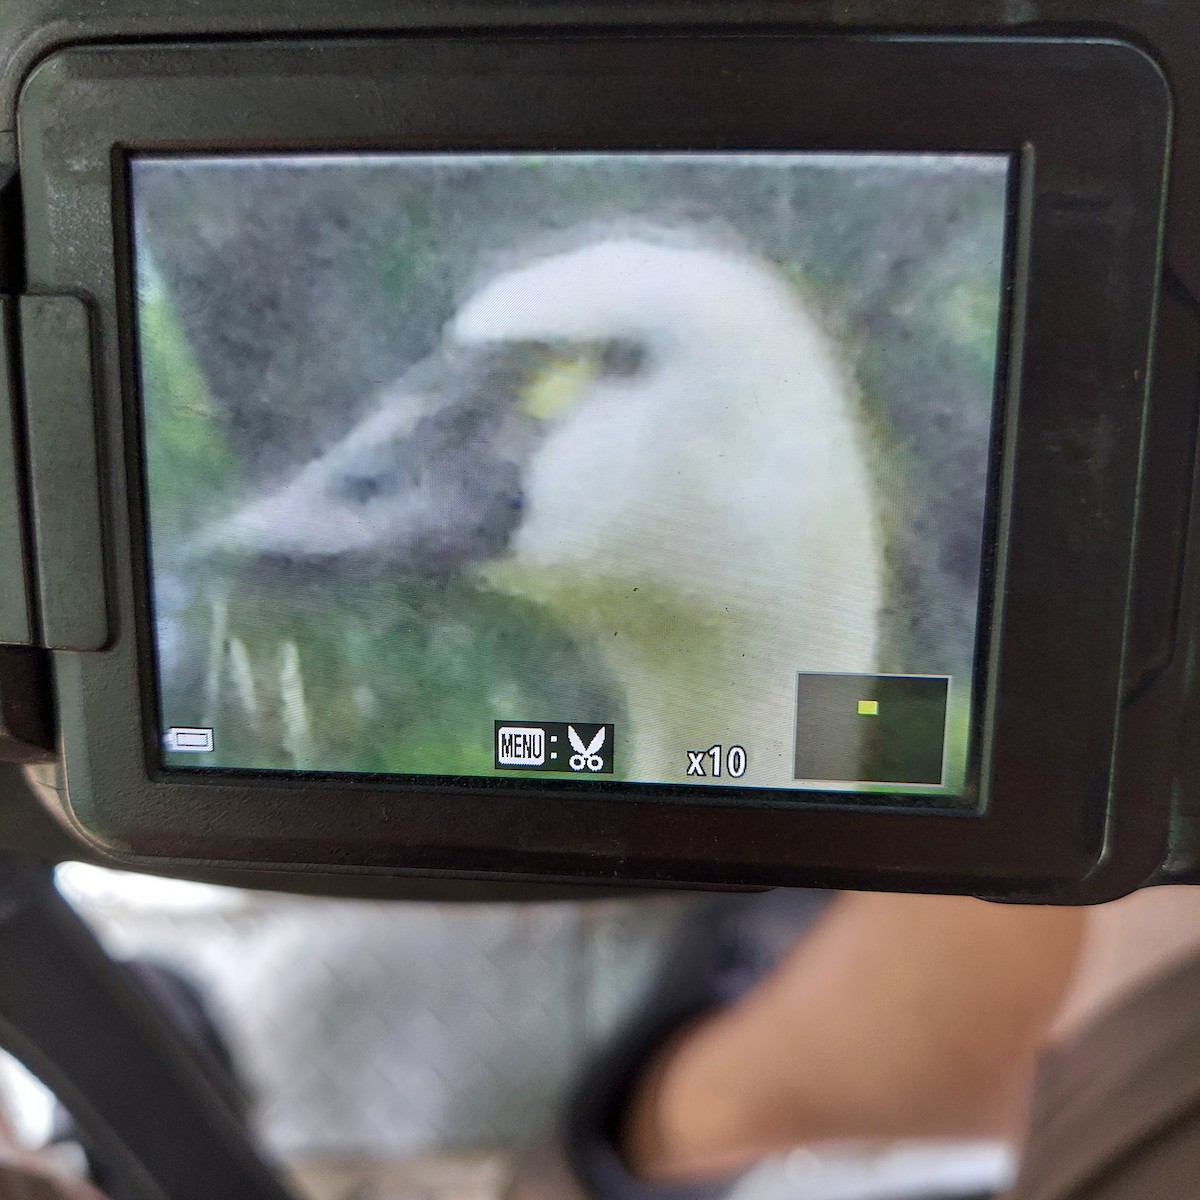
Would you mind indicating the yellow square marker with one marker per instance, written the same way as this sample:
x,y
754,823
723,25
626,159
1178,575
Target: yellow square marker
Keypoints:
x,y
868,708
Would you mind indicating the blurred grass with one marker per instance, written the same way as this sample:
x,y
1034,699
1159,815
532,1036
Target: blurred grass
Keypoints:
x,y
187,455
395,677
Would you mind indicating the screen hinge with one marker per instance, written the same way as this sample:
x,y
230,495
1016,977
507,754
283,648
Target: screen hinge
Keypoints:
x,y
57,364
26,710
16,583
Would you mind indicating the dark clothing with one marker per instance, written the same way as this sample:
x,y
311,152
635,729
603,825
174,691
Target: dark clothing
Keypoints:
x,y
1116,1112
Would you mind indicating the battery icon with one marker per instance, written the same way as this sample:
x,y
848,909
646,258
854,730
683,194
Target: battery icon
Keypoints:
x,y
520,746
188,740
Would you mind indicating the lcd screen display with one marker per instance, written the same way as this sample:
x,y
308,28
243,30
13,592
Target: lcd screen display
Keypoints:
x,y
659,468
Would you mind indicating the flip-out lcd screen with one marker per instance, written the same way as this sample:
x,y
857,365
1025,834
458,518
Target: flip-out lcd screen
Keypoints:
x,y
658,468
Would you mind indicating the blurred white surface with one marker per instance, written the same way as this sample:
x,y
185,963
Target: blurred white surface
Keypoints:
x,y
407,1050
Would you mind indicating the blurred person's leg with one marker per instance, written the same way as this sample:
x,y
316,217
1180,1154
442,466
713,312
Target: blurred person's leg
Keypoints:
x,y
897,1016
902,1016
1116,1110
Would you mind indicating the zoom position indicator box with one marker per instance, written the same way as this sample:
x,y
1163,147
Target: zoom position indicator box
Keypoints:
x,y
871,729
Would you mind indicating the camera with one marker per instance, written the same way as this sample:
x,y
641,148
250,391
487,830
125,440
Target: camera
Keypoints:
x,y
725,448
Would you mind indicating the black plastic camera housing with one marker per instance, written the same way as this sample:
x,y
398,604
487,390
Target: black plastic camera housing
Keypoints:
x,y
1084,774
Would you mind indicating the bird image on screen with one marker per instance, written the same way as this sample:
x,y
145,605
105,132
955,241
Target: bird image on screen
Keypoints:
x,y
609,452
561,444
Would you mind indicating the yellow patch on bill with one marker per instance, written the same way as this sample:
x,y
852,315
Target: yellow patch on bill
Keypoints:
x,y
556,388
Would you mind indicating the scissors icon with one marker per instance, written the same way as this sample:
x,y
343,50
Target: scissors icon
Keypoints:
x,y
586,757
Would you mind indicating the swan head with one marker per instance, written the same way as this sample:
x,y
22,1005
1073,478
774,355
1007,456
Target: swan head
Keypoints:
x,y
631,413
684,391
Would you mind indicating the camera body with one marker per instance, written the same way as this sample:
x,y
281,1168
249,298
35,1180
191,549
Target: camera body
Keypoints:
x,y
1062,766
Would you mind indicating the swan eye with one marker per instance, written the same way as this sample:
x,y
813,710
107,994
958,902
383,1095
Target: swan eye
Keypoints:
x,y
561,372
622,358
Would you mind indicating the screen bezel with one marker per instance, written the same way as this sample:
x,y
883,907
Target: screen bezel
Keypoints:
x,y
1090,122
